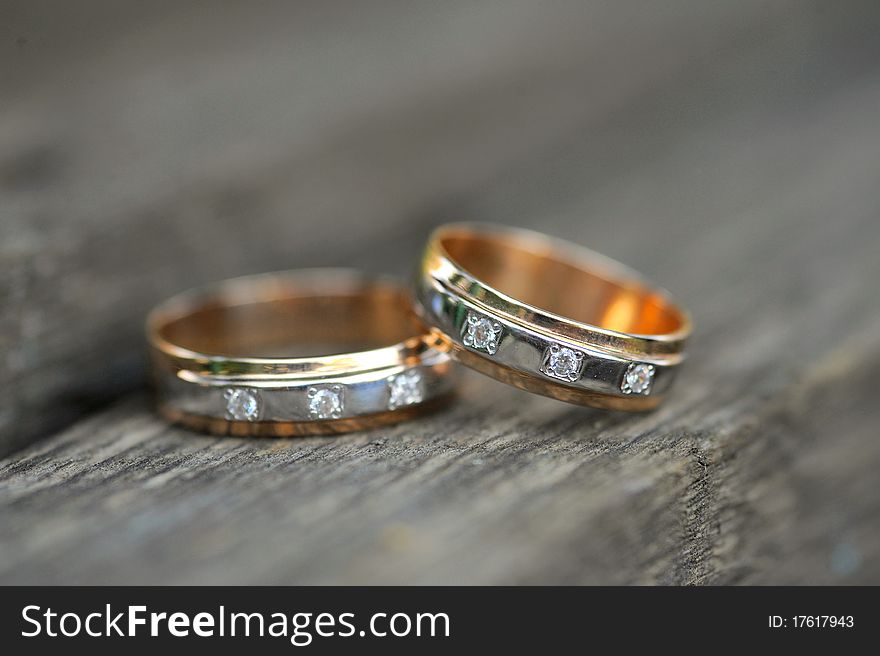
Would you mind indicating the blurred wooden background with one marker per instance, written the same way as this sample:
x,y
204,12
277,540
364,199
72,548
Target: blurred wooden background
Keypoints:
x,y
730,150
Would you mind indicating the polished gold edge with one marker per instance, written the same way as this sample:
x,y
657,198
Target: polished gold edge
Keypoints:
x,y
267,288
439,266
667,360
407,353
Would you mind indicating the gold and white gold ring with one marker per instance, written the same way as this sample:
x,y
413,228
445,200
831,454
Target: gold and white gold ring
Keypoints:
x,y
295,353
549,317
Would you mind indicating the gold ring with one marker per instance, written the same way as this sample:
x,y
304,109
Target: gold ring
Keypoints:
x,y
549,317
240,357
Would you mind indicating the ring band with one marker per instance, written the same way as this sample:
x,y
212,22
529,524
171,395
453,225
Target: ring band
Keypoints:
x,y
551,318
238,357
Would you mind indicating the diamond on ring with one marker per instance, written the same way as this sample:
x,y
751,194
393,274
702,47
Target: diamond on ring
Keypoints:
x,y
637,379
563,363
325,402
242,404
405,389
481,333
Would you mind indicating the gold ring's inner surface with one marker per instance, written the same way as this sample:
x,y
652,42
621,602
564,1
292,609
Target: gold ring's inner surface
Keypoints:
x,y
296,323
537,276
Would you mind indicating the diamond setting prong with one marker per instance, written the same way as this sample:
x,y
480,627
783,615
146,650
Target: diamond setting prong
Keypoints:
x,y
325,402
242,404
563,363
637,379
481,333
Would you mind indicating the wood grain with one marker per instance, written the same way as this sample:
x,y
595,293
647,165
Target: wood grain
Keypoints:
x,y
161,149
731,155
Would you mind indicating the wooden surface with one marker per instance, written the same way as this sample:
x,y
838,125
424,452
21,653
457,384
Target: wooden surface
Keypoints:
x,y
728,150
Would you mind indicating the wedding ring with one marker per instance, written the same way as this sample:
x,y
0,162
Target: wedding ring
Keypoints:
x,y
295,353
551,318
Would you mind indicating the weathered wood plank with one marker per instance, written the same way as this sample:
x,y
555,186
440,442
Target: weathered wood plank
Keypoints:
x,y
749,185
146,151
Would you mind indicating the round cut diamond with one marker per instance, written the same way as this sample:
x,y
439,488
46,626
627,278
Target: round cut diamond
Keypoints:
x,y
564,362
242,404
325,403
405,389
638,378
482,333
